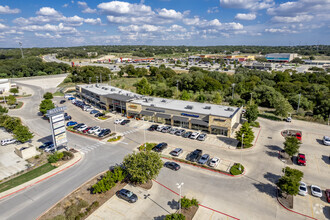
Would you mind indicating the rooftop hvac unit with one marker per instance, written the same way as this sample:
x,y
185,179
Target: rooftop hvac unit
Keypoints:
x,y
207,107
163,100
112,90
103,88
152,105
146,100
229,109
151,99
189,107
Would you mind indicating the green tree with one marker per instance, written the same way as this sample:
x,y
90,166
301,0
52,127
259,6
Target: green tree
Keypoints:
x,y
175,216
48,95
251,113
291,145
142,166
22,133
14,91
143,87
185,95
293,173
217,98
45,105
11,123
289,183
11,100
282,106
3,109
248,135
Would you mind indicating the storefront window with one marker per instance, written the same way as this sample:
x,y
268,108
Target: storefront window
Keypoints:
x,y
161,120
223,132
200,127
168,121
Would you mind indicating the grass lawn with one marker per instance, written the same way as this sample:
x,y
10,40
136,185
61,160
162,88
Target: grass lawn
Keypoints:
x,y
26,177
58,94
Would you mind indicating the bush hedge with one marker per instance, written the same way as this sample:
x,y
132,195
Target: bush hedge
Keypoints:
x,y
148,146
271,117
115,139
175,216
255,124
109,180
234,170
187,203
53,158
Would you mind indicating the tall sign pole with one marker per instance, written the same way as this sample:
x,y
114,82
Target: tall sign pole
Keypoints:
x,y
57,125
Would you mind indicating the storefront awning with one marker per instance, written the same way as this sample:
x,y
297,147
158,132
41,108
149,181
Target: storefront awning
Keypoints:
x,y
160,115
218,127
146,113
177,118
199,122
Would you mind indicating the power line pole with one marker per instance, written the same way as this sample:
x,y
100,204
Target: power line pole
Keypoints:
x,y
177,85
90,80
100,78
109,80
20,44
298,102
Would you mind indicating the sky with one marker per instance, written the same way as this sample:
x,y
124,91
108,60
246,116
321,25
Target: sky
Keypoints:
x,y
65,23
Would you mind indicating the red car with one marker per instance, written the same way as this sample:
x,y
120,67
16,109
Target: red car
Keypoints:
x,y
298,136
327,194
301,159
87,129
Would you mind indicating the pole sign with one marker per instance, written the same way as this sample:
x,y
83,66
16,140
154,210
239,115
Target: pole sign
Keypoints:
x,y
57,125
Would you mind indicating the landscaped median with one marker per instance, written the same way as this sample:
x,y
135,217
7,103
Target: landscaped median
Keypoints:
x,y
114,139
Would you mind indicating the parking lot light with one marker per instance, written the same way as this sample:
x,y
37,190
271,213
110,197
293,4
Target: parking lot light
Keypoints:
x,y
179,185
240,164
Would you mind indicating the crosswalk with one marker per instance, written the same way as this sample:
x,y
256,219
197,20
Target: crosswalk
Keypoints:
x,y
88,148
130,131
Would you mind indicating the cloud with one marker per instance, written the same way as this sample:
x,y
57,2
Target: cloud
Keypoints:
x,y
247,4
213,10
169,14
65,5
279,30
2,26
124,8
47,35
6,10
86,8
47,11
93,21
213,24
295,19
59,29
140,28
249,17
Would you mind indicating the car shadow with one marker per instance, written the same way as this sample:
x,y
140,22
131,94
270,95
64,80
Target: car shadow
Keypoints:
x,y
320,141
326,212
45,139
266,188
173,204
326,159
272,177
272,153
229,141
273,147
162,217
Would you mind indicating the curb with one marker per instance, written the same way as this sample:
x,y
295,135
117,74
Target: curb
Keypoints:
x,y
85,135
216,171
198,204
32,184
292,210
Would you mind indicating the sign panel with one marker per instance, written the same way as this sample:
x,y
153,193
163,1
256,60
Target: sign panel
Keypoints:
x,y
56,110
58,118
57,124
59,131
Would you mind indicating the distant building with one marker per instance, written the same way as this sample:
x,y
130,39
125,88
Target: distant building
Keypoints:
x,y
260,66
317,62
89,54
281,57
4,85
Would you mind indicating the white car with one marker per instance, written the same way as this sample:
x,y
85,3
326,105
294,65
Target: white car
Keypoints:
x,y
7,141
326,140
98,131
88,109
302,189
93,129
160,127
118,121
214,162
316,191
82,128
50,148
194,135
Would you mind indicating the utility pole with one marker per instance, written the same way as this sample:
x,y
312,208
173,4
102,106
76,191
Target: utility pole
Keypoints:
x,y
20,44
232,94
298,102
90,78
240,164
100,78
251,98
179,185
109,80
177,85
97,79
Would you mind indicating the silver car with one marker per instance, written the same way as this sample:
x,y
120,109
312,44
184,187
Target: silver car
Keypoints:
x,y
176,152
204,159
302,189
173,130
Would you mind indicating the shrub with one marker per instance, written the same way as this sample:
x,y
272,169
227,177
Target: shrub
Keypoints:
x,y
255,124
115,139
187,203
175,216
109,180
67,155
234,170
55,157
148,147
271,117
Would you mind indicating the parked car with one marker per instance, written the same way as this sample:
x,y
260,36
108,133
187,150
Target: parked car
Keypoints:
x,y
160,127
327,194
288,119
81,128
62,101
201,137
301,159
152,127
172,165
67,118
105,132
316,191
71,98
45,145
85,107
214,162
195,155
166,129
94,112
176,152
89,109
127,195
78,126
98,131
93,129
326,140
173,130
187,134
180,132
86,129
298,136
118,121
7,141
160,147
126,121
302,189
204,159
194,135
50,148
71,123
99,114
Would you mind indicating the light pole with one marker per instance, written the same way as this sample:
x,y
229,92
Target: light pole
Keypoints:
x,y
298,102
145,142
240,164
97,79
109,80
232,94
100,78
20,44
251,98
179,185
90,78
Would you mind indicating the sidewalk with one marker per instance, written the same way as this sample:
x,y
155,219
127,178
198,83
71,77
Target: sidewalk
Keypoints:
x,y
75,160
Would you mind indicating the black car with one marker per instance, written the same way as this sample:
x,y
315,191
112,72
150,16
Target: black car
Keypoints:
x,y
160,147
62,101
195,155
45,145
127,195
180,132
78,126
187,134
172,165
99,114
104,132
67,118
125,122
153,127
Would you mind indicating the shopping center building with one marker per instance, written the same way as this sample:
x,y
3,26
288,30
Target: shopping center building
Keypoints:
x,y
210,118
